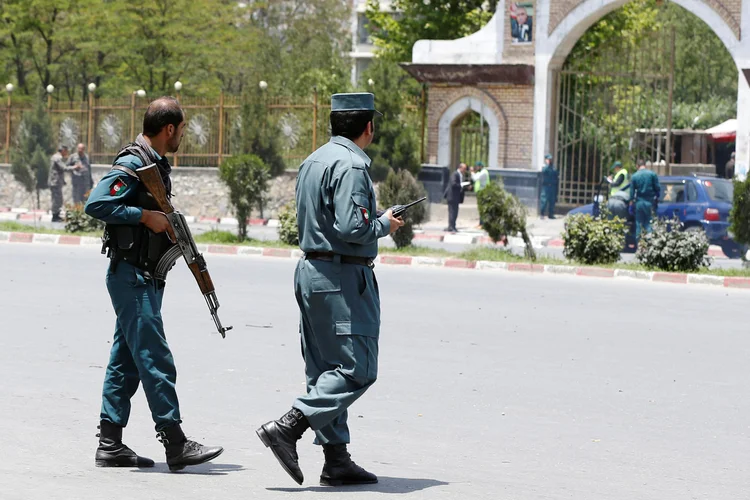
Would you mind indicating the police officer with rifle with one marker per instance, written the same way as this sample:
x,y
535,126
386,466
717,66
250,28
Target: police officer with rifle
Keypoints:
x,y
144,237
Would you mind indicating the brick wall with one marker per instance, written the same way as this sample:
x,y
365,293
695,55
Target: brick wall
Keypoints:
x,y
729,10
512,104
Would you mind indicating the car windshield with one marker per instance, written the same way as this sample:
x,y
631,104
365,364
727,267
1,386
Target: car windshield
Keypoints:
x,y
720,190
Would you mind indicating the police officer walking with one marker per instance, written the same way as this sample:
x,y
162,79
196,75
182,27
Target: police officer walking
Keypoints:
x,y
137,238
644,191
336,291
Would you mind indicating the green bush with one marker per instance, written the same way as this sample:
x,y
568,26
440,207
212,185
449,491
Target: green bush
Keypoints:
x,y
739,217
400,188
76,220
503,215
288,230
247,178
590,240
673,250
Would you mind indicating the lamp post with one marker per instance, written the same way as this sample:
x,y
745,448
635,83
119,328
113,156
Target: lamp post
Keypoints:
x,y
9,89
92,89
50,88
177,88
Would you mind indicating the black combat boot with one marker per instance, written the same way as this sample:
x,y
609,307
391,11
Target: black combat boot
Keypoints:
x,y
281,436
339,470
112,453
182,452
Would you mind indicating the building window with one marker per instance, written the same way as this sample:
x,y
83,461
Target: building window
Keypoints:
x,y
363,33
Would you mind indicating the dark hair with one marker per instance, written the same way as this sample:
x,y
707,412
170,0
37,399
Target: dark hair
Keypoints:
x,y
160,113
350,124
641,163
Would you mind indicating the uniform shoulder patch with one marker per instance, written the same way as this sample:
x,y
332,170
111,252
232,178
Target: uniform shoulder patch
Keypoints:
x,y
117,187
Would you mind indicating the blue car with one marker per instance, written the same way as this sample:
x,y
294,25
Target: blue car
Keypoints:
x,y
702,203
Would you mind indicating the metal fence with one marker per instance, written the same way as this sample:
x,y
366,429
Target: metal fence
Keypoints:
x,y
213,125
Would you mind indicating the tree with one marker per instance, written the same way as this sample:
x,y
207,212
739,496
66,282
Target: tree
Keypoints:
x,y
395,34
259,133
400,188
503,215
396,144
31,154
247,177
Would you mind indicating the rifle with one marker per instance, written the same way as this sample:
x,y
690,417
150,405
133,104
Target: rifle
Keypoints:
x,y
185,245
399,210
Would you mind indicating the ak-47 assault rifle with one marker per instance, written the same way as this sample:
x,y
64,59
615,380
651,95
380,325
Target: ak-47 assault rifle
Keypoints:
x,y
185,245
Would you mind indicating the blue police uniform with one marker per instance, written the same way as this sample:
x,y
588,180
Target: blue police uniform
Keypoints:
x,y
338,299
645,191
550,181
140,352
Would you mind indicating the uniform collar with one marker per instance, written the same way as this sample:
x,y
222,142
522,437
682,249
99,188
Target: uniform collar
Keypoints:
x,y
343,141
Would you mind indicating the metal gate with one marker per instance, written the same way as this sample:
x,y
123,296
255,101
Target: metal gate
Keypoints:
x,y
615,104
471,140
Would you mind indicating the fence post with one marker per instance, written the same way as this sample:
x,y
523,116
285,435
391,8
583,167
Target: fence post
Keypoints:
x,y
132,116
315,119
221,125
7,131
91,123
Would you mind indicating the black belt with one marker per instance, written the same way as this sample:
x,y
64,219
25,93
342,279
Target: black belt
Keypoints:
x,y
345,259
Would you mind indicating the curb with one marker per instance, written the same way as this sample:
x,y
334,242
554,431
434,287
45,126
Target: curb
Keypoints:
x,y
419,261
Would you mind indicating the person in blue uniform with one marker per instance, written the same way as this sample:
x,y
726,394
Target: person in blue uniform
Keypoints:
x,y
645,191
550,182
136,237
337,293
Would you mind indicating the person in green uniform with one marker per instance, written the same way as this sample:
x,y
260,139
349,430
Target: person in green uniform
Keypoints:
x,y
644,192
136,233
550,181
336,291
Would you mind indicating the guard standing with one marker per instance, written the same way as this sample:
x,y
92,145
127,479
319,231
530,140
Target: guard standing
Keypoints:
x,y
56,179
644,191
136,239
82,178
550,181
336,291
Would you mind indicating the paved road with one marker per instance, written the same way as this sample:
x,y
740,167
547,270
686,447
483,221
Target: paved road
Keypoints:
x,y
491,386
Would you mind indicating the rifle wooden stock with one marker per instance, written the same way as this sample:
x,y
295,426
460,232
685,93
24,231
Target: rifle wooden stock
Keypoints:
x,y
151,178
205,283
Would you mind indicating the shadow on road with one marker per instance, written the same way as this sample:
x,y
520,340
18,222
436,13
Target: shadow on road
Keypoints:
x,y
384,485
207,469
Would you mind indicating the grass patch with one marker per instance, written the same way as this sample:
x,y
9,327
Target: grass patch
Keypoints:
x,y
229,238
415,250
504,255
18,227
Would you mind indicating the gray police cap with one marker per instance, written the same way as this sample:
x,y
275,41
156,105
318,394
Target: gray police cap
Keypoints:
x,y
362,101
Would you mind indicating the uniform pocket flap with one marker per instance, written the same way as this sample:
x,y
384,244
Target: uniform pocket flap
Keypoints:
x,y
324,284
361,200
357,328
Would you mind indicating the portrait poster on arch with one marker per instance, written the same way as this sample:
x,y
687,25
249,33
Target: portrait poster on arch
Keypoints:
x,y
521,22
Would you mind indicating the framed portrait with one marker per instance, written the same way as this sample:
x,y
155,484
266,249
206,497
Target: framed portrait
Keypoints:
x,y
521,22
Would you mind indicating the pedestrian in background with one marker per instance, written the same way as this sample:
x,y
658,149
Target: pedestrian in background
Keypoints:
x,y
644,192
454,194
82,179
56,179
550,183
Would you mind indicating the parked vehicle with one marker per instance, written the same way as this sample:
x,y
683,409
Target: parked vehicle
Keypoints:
x,y
701,202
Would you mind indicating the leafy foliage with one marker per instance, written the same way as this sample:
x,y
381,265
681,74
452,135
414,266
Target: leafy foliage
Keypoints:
x,y
503,215
424,19
396,144
76,220
288,229
34,145
739,217
259,134
592,241
669,248
400,188
247,178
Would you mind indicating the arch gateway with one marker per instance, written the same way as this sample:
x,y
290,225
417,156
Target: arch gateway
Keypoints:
x,y
510,74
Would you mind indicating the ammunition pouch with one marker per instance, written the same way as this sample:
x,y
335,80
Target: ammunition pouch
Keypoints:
x,y
138,246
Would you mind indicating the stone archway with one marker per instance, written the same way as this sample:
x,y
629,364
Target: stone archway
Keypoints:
x,y
553,48
457,111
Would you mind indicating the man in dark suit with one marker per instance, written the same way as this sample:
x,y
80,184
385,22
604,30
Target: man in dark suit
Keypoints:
x,y
454,193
